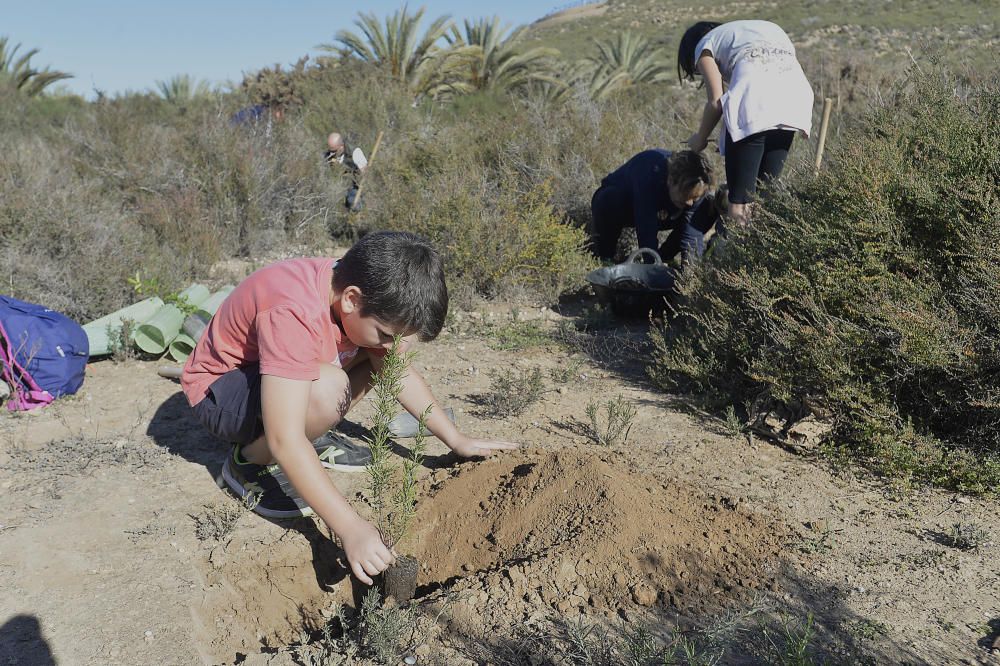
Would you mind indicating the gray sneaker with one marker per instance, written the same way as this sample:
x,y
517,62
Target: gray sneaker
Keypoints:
x,y
340,453
405,424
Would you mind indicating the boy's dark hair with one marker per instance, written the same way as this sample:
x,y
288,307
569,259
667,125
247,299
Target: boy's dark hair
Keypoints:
x,y
690,170
686,56
401,278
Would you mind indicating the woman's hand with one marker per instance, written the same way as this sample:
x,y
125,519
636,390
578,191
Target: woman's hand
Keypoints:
x,y
697,142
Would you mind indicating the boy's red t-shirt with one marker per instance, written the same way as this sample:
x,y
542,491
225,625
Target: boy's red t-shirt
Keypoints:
x,y
279,317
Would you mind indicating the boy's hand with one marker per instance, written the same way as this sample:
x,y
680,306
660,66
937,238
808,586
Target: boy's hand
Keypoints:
x,y
366,553
467,447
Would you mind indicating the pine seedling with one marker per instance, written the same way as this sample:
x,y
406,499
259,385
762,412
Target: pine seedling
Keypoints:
x,y
392,487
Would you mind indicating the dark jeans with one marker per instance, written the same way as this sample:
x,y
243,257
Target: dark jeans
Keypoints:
x,y
611,209
758,157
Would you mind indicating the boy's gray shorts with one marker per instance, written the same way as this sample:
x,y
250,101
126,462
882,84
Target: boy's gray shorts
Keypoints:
x,y
231,409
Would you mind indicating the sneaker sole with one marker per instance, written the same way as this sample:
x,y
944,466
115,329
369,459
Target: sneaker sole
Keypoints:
x,y
343,468
242,492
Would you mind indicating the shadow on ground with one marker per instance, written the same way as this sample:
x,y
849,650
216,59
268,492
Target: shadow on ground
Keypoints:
x,y
174,428
22,642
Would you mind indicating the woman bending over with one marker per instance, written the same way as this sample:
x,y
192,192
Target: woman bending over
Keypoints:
x,y
766,100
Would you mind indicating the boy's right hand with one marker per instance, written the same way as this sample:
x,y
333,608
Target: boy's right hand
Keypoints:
x,y
366,553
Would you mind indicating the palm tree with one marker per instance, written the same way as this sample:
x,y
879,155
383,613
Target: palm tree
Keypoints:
x,y
498,64
413,60
548,92
183,88
18,75
624,61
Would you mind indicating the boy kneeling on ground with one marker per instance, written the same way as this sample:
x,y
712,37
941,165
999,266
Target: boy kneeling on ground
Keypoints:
x,y
291,350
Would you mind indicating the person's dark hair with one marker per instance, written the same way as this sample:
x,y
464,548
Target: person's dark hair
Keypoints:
x,y
401,278
689,170
686,56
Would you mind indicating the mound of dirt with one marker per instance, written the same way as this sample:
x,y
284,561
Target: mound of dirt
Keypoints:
x,y
513,537
577,530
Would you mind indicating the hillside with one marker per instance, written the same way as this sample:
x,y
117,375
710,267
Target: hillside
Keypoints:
x,y
844,29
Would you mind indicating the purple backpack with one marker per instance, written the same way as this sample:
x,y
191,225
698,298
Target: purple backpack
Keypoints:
x,y
43,353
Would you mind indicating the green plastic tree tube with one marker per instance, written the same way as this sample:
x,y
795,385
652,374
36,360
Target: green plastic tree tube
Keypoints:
x,y
97,330
155,335
183,344
211,304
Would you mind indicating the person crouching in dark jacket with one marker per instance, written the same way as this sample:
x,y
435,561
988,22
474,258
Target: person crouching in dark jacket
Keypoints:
x,y
656,190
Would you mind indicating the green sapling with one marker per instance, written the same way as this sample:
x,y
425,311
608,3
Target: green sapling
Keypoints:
x,y
391,486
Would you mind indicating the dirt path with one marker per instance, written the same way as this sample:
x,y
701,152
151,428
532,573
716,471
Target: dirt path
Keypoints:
x,y
117,547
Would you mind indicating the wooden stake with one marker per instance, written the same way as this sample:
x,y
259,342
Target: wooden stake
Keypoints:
x,y
361,185
823,127
170,371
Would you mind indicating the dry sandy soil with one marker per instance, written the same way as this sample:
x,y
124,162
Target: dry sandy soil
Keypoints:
x,y
108,552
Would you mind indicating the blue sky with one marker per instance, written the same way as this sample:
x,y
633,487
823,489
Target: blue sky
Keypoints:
x,y
117,45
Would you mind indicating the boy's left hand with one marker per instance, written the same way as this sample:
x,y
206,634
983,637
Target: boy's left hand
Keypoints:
x,y
468,447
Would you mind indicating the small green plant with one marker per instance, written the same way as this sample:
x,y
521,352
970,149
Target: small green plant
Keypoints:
x,y
386,631
732,423
967,536
391,487
513,391
616,423
788,644
378,632
819,544
120,341
568,372
153,287
217,522
514,335
868,630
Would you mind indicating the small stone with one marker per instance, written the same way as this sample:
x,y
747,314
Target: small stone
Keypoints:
x,y
409,659
643,594
148,635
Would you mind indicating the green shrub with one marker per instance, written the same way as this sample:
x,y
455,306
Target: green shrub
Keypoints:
x,y
614,426
869,294
512,392
496,239
138,184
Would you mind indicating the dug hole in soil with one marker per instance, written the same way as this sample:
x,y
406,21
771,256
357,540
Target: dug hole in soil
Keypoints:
x,y
575,531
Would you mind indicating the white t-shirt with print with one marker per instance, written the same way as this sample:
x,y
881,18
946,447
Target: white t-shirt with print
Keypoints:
x,y
767,88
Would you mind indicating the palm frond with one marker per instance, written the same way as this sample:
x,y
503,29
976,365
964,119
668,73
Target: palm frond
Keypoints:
x,y
17,74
